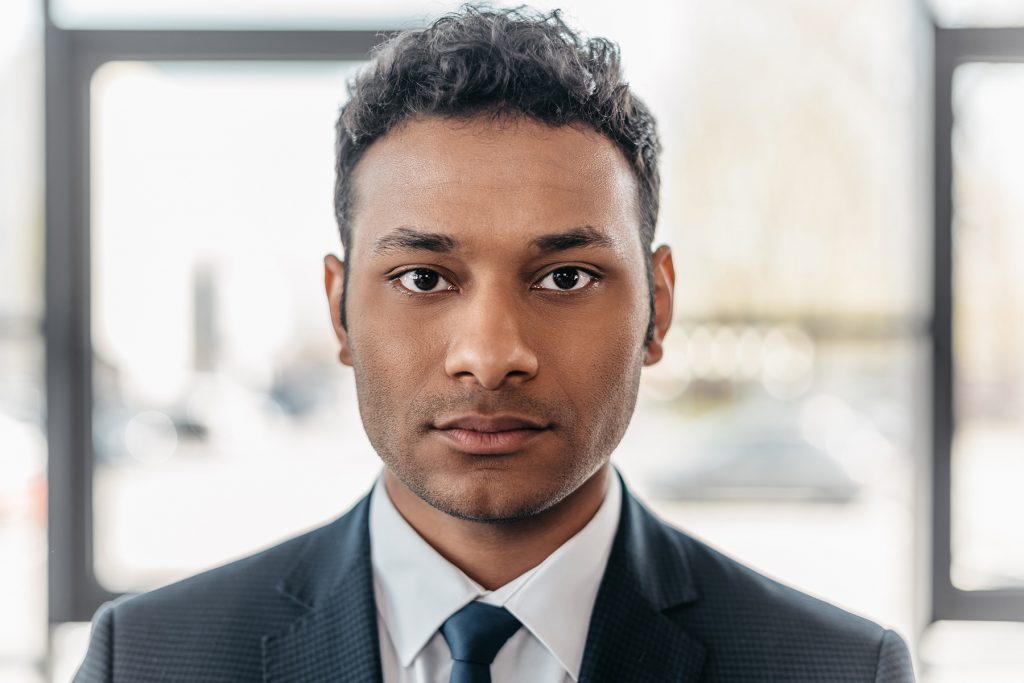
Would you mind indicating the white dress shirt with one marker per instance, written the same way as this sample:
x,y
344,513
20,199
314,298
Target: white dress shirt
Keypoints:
x,y
417,590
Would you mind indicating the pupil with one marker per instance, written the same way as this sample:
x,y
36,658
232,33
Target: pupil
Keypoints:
x,y
566,278
425,279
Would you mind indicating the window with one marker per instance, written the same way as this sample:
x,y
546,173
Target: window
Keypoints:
x,y
979,297
102,178
220,418
784,408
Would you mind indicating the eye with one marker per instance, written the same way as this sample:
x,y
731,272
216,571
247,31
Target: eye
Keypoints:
x,y
566,278
423,280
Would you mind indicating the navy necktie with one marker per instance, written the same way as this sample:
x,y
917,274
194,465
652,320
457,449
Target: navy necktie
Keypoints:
x,y
475,634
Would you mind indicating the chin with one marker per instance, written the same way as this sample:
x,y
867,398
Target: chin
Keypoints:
x,y
489,497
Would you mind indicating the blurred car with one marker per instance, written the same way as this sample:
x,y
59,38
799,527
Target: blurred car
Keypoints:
x,y
754,450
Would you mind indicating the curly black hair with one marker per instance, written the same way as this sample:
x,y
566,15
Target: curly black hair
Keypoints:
x,y
485,61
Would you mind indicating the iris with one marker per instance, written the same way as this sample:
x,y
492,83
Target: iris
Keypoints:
x,y
424,279
566,278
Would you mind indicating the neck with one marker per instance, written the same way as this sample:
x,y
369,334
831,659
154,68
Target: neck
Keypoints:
x,y
494,554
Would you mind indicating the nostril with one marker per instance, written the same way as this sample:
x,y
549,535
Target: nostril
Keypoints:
x,y
488,345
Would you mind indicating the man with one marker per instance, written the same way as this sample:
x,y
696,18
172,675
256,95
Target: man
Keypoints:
x,y
497,196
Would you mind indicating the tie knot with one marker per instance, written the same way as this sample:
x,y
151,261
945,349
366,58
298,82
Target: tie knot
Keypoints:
x,y
477,631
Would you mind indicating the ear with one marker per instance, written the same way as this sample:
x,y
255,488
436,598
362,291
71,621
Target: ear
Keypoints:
x,y
334,284
664,273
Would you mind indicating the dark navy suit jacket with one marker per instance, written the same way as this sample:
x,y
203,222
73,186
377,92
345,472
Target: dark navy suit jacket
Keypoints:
x,y
669,609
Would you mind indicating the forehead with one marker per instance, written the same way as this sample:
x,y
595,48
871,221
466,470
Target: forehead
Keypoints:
x,y
492,179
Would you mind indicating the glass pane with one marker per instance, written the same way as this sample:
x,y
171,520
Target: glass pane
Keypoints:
x,y
307,14
312,14
23,475
962,13
988,225
222,419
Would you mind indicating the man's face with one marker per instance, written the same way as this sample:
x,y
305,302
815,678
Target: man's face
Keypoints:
x,y
497,304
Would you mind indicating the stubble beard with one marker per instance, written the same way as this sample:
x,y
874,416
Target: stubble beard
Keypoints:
x,y
393,439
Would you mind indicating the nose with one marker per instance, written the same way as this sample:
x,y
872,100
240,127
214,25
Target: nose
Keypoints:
x,y
487,345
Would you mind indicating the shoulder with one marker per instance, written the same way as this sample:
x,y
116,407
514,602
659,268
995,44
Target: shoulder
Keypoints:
x,y
241,591
756,628
213,621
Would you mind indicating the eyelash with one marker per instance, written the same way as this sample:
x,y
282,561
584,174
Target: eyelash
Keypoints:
x,y
594,279
397,277
395,280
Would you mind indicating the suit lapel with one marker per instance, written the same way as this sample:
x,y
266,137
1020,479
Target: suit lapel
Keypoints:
x,y
336,638
630,639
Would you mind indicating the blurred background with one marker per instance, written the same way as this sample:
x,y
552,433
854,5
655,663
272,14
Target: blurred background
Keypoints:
x,y
841,403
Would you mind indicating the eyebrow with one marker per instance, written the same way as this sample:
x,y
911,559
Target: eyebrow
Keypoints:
x,y
583,236
409,239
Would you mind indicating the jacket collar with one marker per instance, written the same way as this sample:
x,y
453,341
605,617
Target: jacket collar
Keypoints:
x,y
630,638
336,638
649,573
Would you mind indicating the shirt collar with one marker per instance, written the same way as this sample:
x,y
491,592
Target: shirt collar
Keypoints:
x,y
556,601
417,589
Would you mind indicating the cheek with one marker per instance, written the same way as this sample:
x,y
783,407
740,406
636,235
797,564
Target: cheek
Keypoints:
x,y
394,361
384,332
616,372
395,358
614,396
598,370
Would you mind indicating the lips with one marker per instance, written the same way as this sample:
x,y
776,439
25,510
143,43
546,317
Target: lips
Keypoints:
x,y
490,434
490,423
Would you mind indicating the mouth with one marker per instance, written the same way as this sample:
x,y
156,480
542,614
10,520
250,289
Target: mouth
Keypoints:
x,y
490,434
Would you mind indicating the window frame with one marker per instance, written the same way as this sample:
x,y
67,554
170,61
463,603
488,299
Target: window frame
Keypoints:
x,y
952,48
72,56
